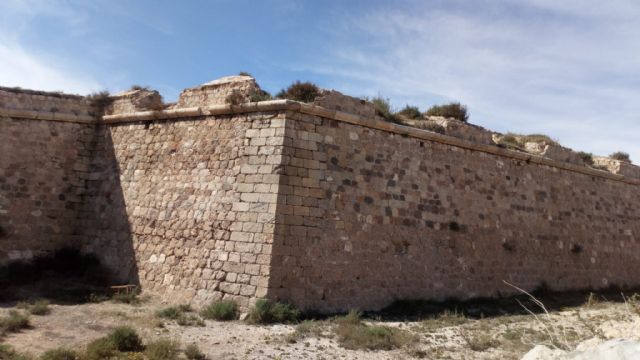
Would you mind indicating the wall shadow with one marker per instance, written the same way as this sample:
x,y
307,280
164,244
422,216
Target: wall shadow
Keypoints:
x,y
106,229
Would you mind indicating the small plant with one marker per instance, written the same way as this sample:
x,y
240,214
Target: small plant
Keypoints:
x,y
452,110
480,342
235,98
431,126
411,112
99,102
259,95
174,312
102,348
244,73
537,138
163,349
586,157
59,354
192,352
39,307
138,87
7,353
383,108
621,156
126,339
300,91
223,310
131,298
14,322
267,312
354,334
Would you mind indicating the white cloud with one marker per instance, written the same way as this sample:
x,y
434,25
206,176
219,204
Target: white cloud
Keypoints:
x,y
570,69
24,67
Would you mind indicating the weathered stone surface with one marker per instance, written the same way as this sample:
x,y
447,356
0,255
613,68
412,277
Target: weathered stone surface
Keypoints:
x,y
456,128
15,98
331,99
135,100
216,92
553,151
617,166
320,212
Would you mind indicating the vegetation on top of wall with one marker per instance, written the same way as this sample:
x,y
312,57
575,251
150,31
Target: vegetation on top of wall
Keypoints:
x,y
431,126
138,87
411,112
300,91
452,110
586,157
99,102
383,108
259,95
244,73
517,141
621,156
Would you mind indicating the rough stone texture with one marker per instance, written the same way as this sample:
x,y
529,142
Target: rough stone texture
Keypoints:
x,y
200,198
334,100
216,91
617,166
553,151
371,216
322,213
457,128
43,169
13,98
135,100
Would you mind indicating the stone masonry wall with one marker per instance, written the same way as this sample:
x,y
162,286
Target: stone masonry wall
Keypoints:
x,y
43,169
199,196
369,216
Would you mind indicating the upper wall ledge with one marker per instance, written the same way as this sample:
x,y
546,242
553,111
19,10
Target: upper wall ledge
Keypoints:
x,y
124,108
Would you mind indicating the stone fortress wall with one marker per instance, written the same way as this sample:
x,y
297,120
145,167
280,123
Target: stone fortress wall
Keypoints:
x,y
323,205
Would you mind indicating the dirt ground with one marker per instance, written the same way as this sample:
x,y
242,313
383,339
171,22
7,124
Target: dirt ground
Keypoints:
x,y
445,335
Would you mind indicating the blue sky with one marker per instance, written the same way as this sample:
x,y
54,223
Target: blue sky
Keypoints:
x,y
570,68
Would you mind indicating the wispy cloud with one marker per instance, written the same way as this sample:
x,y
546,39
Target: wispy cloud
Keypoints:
x,y
25,67
571,69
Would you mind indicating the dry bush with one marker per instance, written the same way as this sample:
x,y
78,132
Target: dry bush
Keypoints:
x,y
452,110
222,310
411,112
99,102
235,98
354,334
300,91
621,156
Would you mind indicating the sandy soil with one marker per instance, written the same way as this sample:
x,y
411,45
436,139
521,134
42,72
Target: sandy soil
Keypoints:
x,y
445,337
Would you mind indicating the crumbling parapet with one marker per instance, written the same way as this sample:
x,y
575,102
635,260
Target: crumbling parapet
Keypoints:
x,y
138,99
218,92
617,166
455,128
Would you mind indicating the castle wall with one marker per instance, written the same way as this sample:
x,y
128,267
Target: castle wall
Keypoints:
x,y
43,168
199,196
371,216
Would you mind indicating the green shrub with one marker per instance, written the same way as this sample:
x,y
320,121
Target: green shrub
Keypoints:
x,y
39,307
383,108
537,138
452,110
412,112
59,354
621,156
244,73
14,322
300,91
259,95
221,310
126,339
354,334
102,348
7,353
173,312
586,157
192,352
162,349
267,312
